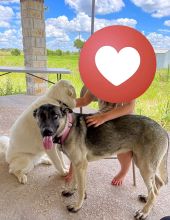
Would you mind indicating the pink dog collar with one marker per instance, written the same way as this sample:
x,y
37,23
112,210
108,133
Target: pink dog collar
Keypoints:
x,y
64,134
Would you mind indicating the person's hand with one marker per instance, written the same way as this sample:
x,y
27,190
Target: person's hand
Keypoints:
x,y
95,120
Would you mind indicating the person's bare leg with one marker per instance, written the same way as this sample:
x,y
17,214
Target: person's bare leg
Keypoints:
x,y
125,161
69,176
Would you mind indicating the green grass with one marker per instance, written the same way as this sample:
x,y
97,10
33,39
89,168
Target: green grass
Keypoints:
x,y
154,103
15,83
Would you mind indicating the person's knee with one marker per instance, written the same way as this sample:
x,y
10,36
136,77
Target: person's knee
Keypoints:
x,y
125,156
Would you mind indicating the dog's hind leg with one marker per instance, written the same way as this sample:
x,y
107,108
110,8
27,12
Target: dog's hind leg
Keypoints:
x,y
56,160
20,166
163,172
157,183
162,177
80,170
149,179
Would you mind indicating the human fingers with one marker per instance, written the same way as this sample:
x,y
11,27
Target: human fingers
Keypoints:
x,y
91,123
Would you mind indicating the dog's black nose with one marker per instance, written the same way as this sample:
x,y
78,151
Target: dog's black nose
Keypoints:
x,y
47,132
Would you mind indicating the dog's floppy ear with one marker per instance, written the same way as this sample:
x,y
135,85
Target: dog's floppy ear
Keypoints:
x,y
64,108
35,113
71,92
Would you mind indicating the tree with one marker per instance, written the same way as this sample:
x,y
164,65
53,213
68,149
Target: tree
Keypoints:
x,y
78,44
67,52
58,52
50,52
15,52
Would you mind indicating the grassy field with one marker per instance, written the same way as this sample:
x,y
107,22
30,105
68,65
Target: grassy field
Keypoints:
x,y
155,102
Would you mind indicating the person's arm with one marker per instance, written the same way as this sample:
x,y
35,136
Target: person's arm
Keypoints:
x,y
85,100
126,109
100,118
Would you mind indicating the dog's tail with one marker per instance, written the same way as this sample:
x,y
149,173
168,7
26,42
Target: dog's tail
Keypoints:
x,y
4,143
163,166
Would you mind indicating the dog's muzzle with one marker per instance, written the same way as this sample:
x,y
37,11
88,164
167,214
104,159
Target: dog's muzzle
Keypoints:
x,y
47,132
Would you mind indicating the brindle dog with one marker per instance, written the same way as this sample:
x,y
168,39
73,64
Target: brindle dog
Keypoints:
x,y
144,137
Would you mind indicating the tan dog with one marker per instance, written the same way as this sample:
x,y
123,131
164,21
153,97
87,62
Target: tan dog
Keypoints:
x,y
25,148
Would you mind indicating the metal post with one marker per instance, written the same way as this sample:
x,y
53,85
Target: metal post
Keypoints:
x,y
92,31
92,16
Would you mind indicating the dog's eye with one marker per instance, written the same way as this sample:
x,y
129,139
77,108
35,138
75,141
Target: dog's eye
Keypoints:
x,y
55,117
43,116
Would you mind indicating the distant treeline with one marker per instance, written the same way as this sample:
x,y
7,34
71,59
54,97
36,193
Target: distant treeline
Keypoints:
x,y
58,52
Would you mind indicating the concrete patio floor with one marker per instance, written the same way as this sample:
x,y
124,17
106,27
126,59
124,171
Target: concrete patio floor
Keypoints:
x,y
40,198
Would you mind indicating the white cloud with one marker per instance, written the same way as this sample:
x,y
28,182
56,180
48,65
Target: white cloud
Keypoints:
x,y
82,23
126,21
101,7
4,24
10,24
164,30
167,23
157,8
9,18
6,13
11,39
159,40
57,38
18,15
59,34
7,2
59,29
101,23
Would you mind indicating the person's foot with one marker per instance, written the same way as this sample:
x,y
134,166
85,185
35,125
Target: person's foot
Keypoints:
x,y
118,179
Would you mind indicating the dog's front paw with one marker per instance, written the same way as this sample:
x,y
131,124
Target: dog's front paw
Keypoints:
x,y
72,208
67,193
140,215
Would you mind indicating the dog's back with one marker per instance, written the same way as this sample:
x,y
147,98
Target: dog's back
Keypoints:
x,y
135,133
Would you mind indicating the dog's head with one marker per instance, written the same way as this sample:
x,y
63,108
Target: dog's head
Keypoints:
x,y
51,120
63,91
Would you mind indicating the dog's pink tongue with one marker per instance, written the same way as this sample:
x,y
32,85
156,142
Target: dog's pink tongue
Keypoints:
x,y
48,142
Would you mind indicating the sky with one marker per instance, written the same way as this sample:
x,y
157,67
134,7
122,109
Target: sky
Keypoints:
x,y
67,20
